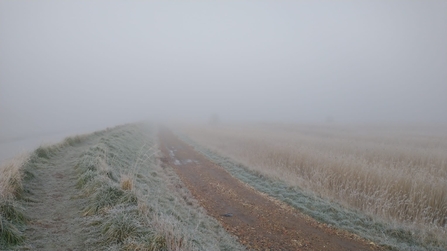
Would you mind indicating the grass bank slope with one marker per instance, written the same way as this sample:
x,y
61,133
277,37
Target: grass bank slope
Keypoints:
x,y
12,218
27,203
134,204
103,191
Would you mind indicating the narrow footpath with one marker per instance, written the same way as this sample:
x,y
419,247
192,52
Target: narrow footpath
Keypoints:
x,y
54,208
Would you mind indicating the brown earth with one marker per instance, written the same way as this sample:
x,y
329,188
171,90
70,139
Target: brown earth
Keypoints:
x,y
259,221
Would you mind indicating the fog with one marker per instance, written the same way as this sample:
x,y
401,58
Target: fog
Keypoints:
x,y
81,65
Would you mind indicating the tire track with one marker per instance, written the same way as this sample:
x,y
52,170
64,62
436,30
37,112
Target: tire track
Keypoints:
x,y
259,222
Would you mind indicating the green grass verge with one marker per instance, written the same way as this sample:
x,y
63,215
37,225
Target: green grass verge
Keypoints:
x,y
384,234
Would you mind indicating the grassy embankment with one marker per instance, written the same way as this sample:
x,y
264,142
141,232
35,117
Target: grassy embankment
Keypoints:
x,y
13,176
137,205
131,202
12,218
387,185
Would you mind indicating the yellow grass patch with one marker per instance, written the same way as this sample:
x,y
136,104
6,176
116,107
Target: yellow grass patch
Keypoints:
x,y
11,177
127,182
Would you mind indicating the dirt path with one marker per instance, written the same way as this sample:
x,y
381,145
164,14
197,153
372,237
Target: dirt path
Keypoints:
x,y
259,222
56,210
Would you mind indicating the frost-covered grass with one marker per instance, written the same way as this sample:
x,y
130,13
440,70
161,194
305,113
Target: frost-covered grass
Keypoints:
x,y
129,201
11,212
135,204
381,174
13,174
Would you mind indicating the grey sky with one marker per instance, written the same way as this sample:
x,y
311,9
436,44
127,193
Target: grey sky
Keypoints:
x,y
82,63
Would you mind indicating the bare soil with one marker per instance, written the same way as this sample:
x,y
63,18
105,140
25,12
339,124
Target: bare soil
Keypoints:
x,y
259,221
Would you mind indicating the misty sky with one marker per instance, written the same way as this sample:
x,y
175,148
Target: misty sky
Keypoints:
x,y
72,64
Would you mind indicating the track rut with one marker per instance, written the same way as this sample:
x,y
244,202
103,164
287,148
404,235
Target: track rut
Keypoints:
x,y
259,221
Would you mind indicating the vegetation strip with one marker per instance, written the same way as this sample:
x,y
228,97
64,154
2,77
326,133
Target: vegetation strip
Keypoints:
x,y
127,200
322,210
14,193
12,218
134,204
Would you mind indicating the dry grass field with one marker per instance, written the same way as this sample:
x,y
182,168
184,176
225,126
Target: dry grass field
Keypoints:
x,y
395,174
109,190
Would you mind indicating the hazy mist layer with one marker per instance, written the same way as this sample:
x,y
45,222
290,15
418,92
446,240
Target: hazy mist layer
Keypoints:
x,y
74,65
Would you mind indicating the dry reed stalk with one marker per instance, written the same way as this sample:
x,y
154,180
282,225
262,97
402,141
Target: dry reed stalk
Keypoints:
x,y
11,175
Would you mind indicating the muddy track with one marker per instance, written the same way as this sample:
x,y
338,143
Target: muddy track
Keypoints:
x,y
259,222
